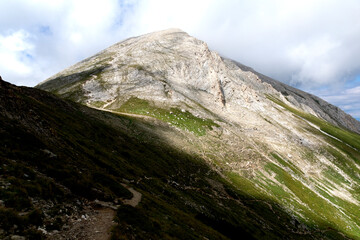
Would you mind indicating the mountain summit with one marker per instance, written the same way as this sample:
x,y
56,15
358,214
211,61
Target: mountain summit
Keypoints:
x,y
240,153
172,67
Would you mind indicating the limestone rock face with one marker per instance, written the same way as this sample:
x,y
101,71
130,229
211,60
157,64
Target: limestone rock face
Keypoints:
x,y
170,67
269,139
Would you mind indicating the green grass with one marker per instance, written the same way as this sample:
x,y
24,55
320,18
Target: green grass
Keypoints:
x,y
288,164
245,185
343,154
98,104
181,119
316,213
318,209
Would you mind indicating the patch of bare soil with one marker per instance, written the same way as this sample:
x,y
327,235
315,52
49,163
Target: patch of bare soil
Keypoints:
x,y
94,224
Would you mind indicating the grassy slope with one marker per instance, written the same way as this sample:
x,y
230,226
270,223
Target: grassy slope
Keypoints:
x,y
344,153
181,119
50,141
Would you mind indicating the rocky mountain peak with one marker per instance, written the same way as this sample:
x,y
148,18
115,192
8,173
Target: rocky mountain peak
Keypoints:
x,y
172,68
166,66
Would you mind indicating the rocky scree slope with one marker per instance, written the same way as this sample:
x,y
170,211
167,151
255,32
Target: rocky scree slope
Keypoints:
x,y
265,138
66,169
304,100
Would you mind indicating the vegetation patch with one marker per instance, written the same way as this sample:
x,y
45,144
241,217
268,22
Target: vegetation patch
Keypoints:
x,y
97,104
179,118
245,185
288,164
318,209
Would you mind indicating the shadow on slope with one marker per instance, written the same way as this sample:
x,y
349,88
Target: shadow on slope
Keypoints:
x,y
57,151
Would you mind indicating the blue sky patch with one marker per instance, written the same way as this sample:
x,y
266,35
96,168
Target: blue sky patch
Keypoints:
x,y
26,56
353,83
45,30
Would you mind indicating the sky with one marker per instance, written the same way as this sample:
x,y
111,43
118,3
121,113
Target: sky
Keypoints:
x,y
313,45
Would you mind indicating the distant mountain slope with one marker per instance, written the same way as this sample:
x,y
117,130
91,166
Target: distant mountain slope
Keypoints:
x,y
300,98
262,138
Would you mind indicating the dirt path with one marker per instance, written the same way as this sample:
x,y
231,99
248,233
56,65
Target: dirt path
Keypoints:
x,y
135,200
124,113
94,224
95,221
99,224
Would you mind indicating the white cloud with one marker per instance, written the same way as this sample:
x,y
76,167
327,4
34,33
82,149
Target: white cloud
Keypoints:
x,y
353,91
308,43
55,33
313,59
15,53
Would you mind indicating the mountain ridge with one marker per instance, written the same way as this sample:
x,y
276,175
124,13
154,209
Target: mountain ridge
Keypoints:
x,y
332,110
298,98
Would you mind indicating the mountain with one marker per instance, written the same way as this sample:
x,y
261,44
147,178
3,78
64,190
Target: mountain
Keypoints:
x,y
66,168
183,143
69,170
171,65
